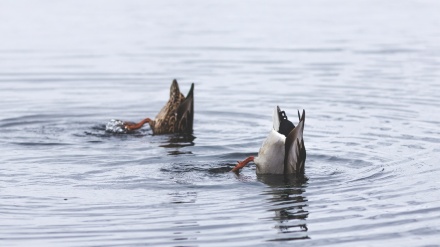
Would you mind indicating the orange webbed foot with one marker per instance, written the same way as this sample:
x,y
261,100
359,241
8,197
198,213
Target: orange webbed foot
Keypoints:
x,y
242,164
134,126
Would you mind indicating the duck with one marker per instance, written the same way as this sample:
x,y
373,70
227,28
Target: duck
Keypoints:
x,y
176,116
283,151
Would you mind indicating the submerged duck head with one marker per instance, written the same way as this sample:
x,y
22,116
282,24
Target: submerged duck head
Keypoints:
x,y
283,151
176,116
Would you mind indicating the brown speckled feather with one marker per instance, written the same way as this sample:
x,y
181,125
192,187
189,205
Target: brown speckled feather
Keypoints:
x,y
169,119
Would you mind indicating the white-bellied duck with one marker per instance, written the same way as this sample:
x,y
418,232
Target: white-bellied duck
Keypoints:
x,y
283,151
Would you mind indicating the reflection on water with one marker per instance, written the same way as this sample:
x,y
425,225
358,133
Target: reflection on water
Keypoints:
x,y
175,143
178,140
288,204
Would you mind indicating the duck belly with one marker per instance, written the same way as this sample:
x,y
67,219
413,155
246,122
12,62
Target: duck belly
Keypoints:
x,y
270,158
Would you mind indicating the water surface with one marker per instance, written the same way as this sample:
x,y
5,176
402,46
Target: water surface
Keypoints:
x,y
366,72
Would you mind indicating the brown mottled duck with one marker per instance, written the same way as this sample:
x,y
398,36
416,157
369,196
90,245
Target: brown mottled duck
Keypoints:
x,y
175,117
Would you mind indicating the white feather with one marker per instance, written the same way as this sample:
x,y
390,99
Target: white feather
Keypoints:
x,y
276,119
270,158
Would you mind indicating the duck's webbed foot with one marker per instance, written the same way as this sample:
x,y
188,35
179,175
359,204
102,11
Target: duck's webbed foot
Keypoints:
x,y
242,164
134,126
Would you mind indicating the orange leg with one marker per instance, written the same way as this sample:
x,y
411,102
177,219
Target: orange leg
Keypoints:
x,y
242,164
135,126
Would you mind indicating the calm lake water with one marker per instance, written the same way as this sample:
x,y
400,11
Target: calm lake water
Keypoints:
x,y
366,72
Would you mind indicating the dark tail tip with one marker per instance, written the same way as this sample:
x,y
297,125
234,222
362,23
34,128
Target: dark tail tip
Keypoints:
x,y
191,91
174,83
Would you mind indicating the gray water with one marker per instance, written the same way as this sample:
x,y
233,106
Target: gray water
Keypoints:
x,y
366,72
